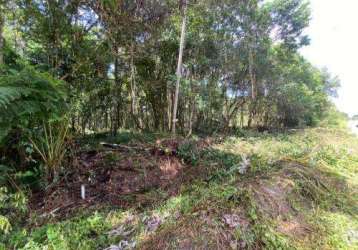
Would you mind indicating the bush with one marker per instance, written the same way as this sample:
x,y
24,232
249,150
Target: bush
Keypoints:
x,y
28,99
12,206
189,152
51,146
334,119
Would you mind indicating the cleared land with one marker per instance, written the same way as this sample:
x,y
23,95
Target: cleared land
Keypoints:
x,y
296,189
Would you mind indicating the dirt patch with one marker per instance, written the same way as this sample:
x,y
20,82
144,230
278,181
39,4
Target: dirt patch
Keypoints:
x,y
117,178
295,226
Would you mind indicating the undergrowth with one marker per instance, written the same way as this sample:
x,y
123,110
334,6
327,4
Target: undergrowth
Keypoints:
x,y
299,191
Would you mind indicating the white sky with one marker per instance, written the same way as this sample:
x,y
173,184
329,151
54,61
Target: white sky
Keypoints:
x,y
334,44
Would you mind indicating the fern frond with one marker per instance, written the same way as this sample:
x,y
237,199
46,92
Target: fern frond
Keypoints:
x,y
28,97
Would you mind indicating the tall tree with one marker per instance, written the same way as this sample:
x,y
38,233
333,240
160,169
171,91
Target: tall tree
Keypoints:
x,y
180,64
2,24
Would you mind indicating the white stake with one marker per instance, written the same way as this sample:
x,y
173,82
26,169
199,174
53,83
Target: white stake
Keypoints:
x,y
83,192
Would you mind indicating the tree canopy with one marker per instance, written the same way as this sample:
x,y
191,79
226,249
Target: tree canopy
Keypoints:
x,y
118,61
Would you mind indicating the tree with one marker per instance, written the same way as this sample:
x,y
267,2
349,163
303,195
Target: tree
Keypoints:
x,y
117,60
179,67
2,24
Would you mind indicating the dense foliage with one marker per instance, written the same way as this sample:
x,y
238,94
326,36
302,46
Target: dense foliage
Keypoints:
x,y
27,98
240,66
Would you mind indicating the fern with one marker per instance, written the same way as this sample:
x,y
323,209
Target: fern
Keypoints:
x,y
28,97
10,94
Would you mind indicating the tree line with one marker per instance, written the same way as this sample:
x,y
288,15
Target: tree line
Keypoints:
x,y
179,66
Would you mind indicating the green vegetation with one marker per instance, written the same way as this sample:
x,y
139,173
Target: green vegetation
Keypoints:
x,y
170,125
27,98
117,60
299,191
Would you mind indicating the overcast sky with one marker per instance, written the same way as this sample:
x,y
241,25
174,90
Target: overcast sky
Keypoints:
x,y
334,44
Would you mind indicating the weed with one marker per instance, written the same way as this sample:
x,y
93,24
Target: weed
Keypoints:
x,y
189,152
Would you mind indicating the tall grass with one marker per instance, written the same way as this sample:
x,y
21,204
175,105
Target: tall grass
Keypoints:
x,y
51,145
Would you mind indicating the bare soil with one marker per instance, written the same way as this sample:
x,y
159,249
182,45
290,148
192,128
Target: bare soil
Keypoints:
x,y
117,178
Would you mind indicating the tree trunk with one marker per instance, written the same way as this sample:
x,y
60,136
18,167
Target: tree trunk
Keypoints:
x,y
1,39
191,117
252,107
191,108
118,87
179,68
133,87
252,74
169,109
242,118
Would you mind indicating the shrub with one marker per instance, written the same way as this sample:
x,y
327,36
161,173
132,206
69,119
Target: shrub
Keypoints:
x,y
28,99
189,152
51,146
12,205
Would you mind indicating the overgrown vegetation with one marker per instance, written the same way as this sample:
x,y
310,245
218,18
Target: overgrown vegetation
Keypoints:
x,y
170,125
299,192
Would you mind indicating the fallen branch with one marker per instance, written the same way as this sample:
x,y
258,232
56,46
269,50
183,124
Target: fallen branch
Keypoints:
x,y
152,150
53,212
123,147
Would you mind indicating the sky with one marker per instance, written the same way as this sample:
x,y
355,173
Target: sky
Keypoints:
x,y
334,44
